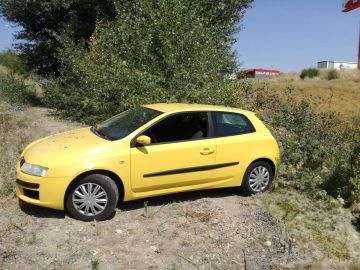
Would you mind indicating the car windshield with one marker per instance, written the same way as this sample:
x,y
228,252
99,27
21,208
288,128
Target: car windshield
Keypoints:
x,y
124,123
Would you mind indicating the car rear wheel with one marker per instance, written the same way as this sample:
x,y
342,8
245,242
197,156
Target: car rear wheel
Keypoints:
x,y
257,178
94,197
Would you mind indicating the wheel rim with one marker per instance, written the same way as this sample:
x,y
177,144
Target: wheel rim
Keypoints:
x,y
90,199
259,178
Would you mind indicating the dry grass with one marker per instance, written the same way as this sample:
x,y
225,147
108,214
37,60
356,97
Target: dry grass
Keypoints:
x,y
3,70
12,141
340,95
33,86
324,236
17,129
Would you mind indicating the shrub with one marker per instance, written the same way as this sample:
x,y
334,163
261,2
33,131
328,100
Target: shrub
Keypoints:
x,y
13,62
12,89
155,51
320,153
333,75
310,73
15,91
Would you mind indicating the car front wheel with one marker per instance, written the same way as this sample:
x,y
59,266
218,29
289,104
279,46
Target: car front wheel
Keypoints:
x,y
257,178
94,197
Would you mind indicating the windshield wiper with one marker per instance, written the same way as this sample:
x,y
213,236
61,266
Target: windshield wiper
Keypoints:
x,y
99,133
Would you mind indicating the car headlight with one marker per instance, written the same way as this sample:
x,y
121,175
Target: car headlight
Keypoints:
x,y
34,170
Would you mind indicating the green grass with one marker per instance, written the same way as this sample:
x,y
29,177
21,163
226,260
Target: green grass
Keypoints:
x,y
19,89
3,70
319,230
95,264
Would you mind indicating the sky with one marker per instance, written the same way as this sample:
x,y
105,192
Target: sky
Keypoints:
x,y
291,35
7,31
282,34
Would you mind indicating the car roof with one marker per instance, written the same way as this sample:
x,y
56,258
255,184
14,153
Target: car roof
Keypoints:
x,y
175,107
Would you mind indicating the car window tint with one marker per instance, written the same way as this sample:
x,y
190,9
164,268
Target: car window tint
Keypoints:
x,y
180,127
228,124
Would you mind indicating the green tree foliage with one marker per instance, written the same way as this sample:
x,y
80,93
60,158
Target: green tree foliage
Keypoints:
x,y
13,62
16,92
155,50
42,21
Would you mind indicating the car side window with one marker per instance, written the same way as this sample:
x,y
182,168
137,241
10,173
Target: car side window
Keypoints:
x,y
180,127
228,124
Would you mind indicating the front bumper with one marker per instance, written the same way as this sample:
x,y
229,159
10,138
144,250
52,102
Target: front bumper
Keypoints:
x,y
42,191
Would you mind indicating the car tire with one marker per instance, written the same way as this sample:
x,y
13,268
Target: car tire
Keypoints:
x,y
93,197
257,178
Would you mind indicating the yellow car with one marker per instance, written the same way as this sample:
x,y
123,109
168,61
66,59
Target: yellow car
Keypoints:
x,y
147,151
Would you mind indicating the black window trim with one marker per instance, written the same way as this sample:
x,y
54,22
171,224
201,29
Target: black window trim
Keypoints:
x,y
238,134
210,127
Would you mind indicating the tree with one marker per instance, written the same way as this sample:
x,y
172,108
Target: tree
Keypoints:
x,y
42,21
155,50
13,62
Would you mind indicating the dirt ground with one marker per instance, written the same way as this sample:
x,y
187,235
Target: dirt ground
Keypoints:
x,y
213,229
198,230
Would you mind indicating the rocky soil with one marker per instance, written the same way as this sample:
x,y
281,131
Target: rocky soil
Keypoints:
x,y
215,229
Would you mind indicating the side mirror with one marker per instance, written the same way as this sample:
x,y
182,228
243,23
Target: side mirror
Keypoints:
x,y
143,140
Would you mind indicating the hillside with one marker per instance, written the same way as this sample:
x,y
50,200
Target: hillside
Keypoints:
x,y
218,229
340,95
294,226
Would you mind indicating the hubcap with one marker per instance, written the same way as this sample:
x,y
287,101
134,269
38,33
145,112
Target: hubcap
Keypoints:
x,y
90,199
259,178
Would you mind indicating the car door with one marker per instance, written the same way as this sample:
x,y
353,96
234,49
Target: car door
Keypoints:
x,y
181,153
235,141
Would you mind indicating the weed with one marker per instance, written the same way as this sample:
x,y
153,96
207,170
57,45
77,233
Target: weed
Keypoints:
x,y
32,239
310,223
95,264
97,228
310,73
8,253
21,123
146,209
333,75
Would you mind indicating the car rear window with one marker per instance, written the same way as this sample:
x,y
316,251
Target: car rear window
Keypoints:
x,y
229,124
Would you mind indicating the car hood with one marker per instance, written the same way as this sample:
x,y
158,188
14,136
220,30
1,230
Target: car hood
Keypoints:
x,y
65,146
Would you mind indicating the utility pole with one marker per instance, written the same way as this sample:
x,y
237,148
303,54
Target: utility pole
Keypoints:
x,y
350,5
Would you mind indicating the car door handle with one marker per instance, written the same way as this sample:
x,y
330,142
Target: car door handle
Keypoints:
x,y
207,152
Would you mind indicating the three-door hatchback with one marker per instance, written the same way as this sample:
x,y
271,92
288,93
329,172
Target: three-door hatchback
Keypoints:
x,y
147,151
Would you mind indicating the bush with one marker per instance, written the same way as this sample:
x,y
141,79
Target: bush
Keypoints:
x,y
13,62
155,51
320,153
15,91
310,73
333,75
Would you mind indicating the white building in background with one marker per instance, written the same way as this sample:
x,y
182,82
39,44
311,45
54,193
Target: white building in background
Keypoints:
x,y
337,65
